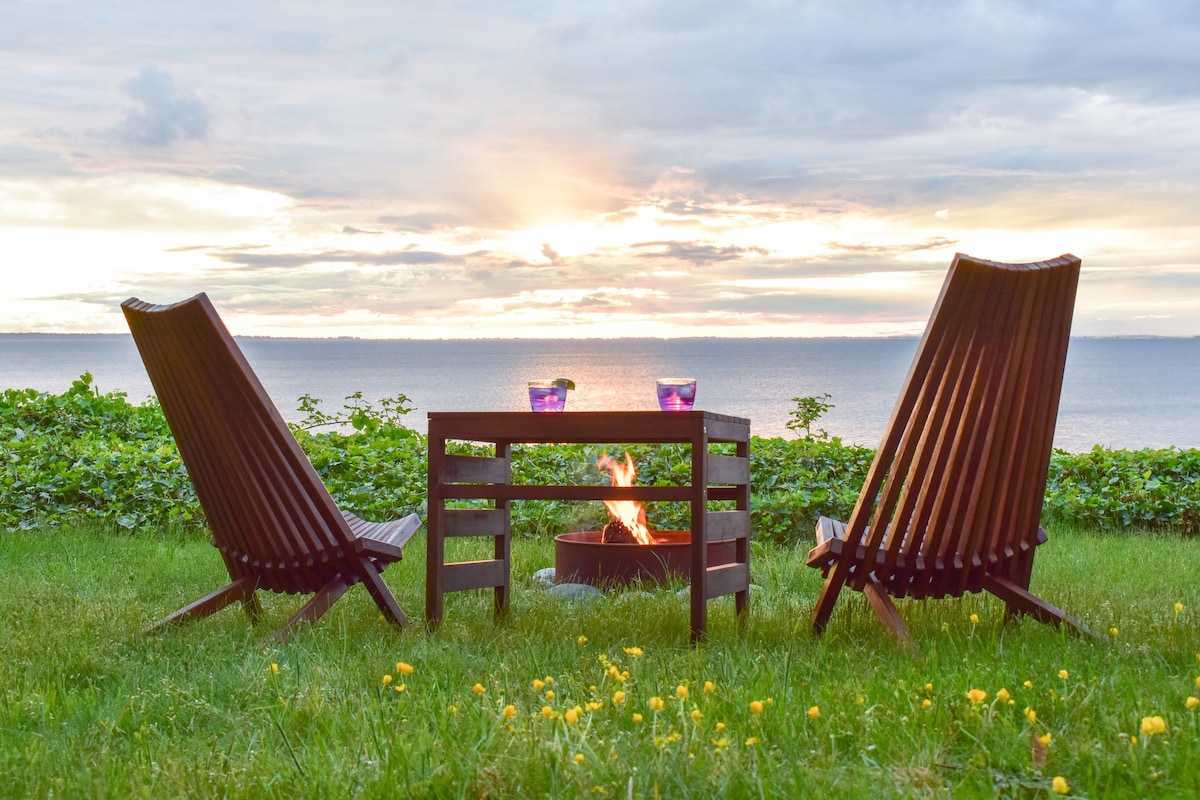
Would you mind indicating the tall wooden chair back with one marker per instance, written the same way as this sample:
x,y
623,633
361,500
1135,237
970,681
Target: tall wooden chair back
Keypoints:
x,y
952,502
272,518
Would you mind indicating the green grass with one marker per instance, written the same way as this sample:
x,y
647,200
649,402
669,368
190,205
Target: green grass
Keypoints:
x,y
92,708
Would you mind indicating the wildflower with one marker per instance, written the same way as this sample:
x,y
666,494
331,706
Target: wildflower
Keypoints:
x,y
1028,684
594,705
681,692
404,669
656,703
1062,673
478,688
1030,715
582,640
510,711
547,712
1178,607
549,694
1060,785
579,758
720,726
1153,725
926,703
1198,680
753,740
1003,695
1045,739
1113,631
722,742
571,715
274,668
770,701
637,717
696,715
1133,741
709,686
929,687
636,652
549,679
814,712
976,696
1192,702
538,684
756,706
400,687
453,710
387,679
974,618
618,697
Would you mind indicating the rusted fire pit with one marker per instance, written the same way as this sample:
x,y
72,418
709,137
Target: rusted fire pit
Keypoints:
x,y
584,558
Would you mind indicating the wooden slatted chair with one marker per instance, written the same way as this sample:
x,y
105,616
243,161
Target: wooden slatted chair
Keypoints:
x,y
271,516
952,502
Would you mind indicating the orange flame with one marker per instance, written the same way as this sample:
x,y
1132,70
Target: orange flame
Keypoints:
x,y
630,513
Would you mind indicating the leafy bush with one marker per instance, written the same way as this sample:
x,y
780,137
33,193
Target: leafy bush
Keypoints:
x,y
83,454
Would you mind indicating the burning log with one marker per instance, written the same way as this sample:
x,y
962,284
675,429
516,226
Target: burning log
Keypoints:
x,y
617,532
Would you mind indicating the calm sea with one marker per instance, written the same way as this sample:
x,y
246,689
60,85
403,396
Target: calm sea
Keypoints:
x,y
1120,393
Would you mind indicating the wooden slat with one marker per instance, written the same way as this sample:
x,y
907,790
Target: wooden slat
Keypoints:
x,y
725,525
474,575
528,492
474,522
473,469
728,470
726,579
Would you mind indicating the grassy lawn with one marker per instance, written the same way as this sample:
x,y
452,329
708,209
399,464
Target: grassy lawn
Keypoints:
x,y
599,699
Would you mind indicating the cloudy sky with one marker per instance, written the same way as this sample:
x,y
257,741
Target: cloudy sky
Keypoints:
x,y
560,168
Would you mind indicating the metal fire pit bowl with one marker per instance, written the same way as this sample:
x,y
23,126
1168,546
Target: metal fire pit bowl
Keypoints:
x,y
583,558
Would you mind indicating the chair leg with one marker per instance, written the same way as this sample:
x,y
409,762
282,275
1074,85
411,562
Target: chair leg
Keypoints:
x,y
885,609
1022,601
312,610
827,599
242,589
382,594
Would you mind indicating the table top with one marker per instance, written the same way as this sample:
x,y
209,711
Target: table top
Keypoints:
x,y
588,426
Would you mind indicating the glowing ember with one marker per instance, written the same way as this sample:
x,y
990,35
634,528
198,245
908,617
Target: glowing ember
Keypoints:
x,y
628,516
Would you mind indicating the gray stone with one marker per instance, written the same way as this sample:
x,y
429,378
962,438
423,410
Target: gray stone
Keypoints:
x,y
544,577
575,591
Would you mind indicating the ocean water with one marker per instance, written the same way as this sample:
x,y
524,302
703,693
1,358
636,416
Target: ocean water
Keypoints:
x,y
1119,393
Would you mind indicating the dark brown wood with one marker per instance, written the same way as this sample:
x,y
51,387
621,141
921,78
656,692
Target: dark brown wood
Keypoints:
x,y
271,518
712,478
952,501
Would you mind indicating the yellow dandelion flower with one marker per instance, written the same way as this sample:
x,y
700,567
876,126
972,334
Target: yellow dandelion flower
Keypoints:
x,y
453,710
618,697
722,742
592,688
709,686
399,687
814,712
387,679
1192,702
549,694
656,703
1003,695
636,652
1178,607
1046,739
770,701
696,715
571,715
1060,785
1030,715
974,618
1153,725
538,684
549,679
547,712
595,705
1198,680
582,640
929,687
579,758
478,688
753,740
1113,631
720,726
926,703
756,706
976,696
403,668
681,692
637,717
1062,673
274,668
509,711
1028,684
